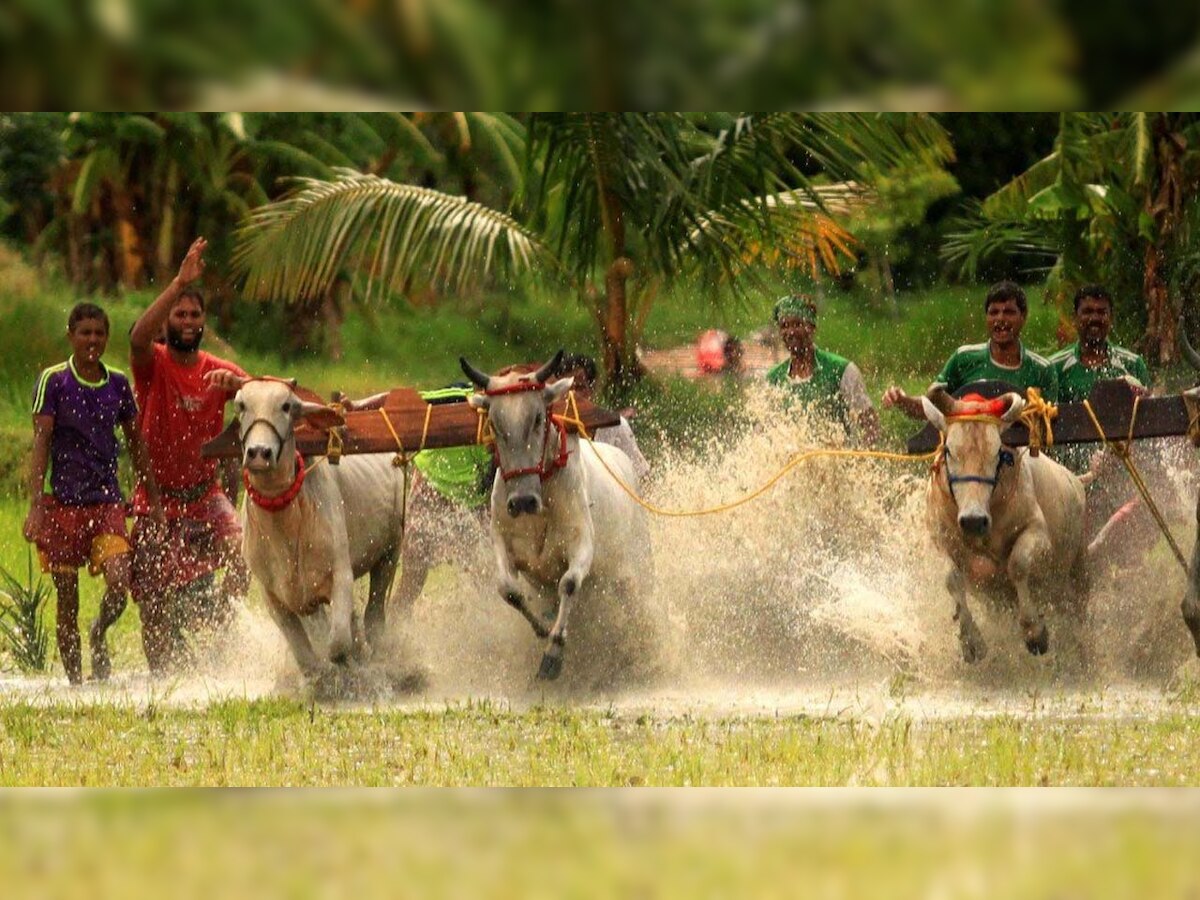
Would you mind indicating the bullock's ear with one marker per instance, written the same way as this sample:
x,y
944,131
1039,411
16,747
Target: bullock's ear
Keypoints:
x,y
555,391
319,416
933,414
479,401
1016,403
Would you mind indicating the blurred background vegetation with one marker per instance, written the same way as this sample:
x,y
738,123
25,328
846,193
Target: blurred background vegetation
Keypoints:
x,y
356,54
360,250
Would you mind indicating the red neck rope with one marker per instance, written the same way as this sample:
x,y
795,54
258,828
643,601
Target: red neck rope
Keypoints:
x,y
542,470
279,501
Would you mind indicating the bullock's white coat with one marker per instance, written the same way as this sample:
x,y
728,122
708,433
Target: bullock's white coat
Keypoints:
x,y
346,522
584,527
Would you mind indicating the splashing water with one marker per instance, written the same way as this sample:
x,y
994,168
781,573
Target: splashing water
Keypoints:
x,y
823,594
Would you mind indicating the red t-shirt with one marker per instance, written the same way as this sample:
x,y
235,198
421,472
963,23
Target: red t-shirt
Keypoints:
x,y
177,414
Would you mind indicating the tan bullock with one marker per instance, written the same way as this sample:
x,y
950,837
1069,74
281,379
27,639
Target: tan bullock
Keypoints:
x,y
310,531
1007,520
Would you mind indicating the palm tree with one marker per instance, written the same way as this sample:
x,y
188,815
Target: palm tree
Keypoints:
x,y
631,199
1116,202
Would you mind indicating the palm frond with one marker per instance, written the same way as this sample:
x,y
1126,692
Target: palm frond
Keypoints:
x,y
294,248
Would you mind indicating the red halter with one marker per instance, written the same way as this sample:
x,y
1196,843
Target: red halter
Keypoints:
x,y
542,470
278,501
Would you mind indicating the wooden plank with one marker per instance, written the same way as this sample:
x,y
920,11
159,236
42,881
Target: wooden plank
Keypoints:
x,y
450,425
1113,403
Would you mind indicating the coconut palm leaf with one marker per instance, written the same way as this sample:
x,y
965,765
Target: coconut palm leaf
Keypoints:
x,y
295,247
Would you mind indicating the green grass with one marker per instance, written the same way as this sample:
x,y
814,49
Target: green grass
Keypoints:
x,y
282,742
588,844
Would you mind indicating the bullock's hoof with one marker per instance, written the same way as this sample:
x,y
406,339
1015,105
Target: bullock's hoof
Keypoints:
x,y
1039,644
550,668
973,651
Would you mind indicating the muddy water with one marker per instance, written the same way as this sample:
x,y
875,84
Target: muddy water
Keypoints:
x,y
820,598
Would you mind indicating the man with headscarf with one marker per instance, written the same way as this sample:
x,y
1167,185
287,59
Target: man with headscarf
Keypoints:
x,y
181,393
823,382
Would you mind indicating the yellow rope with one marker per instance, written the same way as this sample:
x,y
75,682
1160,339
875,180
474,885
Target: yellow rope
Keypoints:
x,y
401,458
766,486
1038,416
1192,405
1122,449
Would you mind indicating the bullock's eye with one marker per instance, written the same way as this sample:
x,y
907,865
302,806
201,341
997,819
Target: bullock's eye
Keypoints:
x,y
287,407
537,420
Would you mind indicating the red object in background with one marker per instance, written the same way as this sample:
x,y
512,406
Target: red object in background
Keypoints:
x,y
710,351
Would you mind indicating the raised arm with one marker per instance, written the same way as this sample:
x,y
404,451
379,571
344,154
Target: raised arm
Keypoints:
x,y
150,324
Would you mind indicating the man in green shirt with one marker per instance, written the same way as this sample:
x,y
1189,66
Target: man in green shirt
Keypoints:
x,y
1092,358
821,381
1002,358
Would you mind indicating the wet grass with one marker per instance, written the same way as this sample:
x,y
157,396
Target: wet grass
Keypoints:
x,y
287,742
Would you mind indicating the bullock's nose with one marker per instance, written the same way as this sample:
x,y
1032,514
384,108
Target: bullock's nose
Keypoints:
x,y
974,524
526,503
256,454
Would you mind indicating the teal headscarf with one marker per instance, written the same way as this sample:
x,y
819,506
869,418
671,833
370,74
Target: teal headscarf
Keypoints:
x,y
796,306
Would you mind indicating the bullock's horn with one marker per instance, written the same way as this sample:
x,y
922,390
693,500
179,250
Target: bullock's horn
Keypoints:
x,y
941,399
549,368
1189,352
473,373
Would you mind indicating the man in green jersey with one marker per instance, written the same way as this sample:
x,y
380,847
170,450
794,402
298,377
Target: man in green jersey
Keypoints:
x,y
1092,358
821,381
1001,358
1120,528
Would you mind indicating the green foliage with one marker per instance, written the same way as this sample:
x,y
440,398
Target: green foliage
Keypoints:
x,y
399,232
23,634
1116,201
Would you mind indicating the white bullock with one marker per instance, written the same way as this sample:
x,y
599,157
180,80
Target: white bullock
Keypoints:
x,y
1005,518
310,532
557,517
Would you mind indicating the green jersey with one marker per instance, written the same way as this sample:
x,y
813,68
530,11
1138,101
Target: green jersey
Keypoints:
x,y
457,473
1075,380
824,391
973,362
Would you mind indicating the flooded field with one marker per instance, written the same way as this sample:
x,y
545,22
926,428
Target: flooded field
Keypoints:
x,y
816,613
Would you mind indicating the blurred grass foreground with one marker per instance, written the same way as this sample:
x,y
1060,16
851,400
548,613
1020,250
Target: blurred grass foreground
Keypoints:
x,y
918,844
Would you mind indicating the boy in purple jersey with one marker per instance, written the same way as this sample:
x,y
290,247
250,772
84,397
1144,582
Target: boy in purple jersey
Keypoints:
x,y
77,406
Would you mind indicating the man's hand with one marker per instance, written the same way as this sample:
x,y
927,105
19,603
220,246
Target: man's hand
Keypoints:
x,y
894,396
192,266
33,522
224,380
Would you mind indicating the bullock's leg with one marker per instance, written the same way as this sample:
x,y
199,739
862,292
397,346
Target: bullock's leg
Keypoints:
x,y
375,618
974,649
1031,549
510,586
1191,597
568,589
341,615
289,623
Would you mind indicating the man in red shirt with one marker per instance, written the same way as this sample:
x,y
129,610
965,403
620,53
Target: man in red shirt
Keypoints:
x,y
181,393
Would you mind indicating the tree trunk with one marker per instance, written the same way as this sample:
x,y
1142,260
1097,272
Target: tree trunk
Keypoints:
x,y
1163,204
616,318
